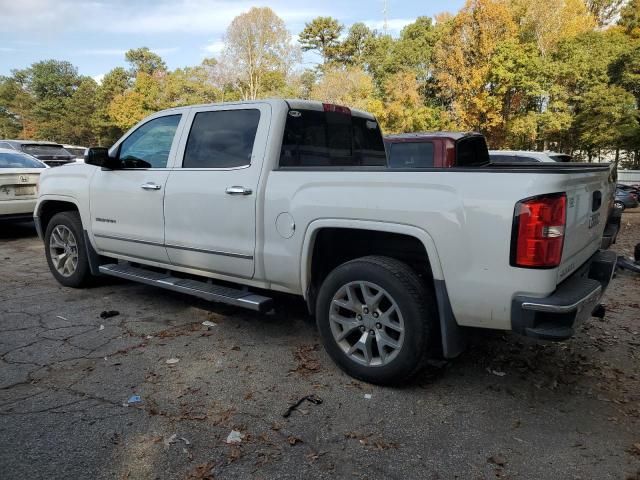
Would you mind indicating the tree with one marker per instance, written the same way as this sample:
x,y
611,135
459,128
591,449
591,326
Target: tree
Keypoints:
x,y
133,105
403,108
257,43
625,72
79,110
188,86
604,11
462,59
608,120
415,47
630,18
49,83
321,34
144,60
350,86
353,50
114,83
547,22
15,109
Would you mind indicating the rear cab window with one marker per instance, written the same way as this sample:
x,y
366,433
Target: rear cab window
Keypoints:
x,y
472,152
332,137
410,154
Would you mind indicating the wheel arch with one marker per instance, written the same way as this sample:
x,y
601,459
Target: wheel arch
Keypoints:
x,y
49,206
453,341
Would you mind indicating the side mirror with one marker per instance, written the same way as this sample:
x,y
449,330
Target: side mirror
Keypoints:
x,y
98,156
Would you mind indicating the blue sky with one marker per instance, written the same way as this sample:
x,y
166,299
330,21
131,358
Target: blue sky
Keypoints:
x,y
94,34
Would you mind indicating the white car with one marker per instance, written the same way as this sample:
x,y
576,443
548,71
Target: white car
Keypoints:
x,y
228,202
526,156
19,175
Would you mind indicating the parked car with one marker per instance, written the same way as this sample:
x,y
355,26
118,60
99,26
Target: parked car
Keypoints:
x,y
625,199
436,150
523,156
228,202
19,174
77,151
50,153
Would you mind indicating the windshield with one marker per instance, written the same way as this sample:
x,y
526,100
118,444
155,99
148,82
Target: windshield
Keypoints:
x,y
19,160
35,149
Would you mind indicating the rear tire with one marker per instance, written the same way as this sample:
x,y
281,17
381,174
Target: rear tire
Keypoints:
x,y
376,319
66,251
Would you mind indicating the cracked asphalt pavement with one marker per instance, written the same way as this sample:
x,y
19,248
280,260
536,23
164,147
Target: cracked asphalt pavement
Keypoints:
x,y
507,408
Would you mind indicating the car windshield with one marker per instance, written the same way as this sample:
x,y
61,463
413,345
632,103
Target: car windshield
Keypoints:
x,y
19,160
35,149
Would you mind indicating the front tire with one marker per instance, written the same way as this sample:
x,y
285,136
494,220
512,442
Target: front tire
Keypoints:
x,y
376,319
619,205
66,251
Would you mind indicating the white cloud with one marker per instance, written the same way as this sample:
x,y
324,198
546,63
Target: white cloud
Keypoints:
x,y
214,47
121,51
98,78
7,49
121,16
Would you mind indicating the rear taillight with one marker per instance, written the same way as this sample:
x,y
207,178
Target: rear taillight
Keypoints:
x,y
538,231
330,107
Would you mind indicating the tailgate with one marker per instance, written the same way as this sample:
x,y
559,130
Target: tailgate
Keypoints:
x,y
589,201
19,185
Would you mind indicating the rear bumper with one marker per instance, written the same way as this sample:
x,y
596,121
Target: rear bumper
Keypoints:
x,y
555,317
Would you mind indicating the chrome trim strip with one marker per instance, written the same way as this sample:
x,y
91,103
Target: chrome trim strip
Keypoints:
x,y
177,247
541,307
133,240
212,252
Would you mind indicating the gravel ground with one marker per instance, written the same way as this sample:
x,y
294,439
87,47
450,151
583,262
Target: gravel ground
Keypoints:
x,y
507,408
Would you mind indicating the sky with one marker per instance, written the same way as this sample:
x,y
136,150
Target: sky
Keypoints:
x,y
95,34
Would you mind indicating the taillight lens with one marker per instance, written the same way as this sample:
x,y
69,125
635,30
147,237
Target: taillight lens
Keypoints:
x,y
330,107
538,229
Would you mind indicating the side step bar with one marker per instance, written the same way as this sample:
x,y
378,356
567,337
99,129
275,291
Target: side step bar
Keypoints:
x,y
207,291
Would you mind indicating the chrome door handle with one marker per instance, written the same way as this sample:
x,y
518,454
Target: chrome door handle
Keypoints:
x,y
236,190
151,186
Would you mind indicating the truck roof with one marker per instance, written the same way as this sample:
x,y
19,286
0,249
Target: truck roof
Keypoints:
x,y
293,103
417,136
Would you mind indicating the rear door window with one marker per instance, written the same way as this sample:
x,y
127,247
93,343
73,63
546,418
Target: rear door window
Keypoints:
x,y
472,151
221,139
411,155
314,138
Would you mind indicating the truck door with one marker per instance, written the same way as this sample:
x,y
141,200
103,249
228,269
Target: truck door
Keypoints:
x,y
127,214
210,199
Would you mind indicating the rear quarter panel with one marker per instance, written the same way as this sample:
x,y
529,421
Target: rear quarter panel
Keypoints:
x,y
468,216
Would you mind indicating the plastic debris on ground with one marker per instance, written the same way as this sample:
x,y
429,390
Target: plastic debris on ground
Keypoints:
x,y
367,396
134,399
234,437
497,373
316,400
101,327
209,324
109,313
172,361
169,440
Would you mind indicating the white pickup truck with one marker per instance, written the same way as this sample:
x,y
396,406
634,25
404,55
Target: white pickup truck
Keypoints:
x,y
228,202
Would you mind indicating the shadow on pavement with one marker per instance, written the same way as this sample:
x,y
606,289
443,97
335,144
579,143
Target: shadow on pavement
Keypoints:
x,y
16,230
